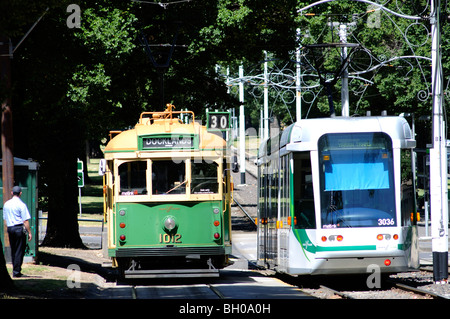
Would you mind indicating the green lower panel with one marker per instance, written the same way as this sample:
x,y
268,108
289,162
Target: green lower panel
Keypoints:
x,y
145,227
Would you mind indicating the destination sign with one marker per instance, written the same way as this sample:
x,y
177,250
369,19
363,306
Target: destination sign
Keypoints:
x,y
167,142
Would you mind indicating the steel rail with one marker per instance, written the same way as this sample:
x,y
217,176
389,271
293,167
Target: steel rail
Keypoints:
x,y
245,212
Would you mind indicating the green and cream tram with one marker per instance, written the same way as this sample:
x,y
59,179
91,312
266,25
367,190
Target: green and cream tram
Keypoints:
x,y
167,193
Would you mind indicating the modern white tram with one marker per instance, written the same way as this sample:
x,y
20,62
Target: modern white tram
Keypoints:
x,y
337,196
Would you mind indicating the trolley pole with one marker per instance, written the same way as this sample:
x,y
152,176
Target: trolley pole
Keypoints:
x,y
438,158
241,124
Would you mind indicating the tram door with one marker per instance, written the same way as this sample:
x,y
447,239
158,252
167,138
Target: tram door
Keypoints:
x,y
272,211
267,213
303,196
262,214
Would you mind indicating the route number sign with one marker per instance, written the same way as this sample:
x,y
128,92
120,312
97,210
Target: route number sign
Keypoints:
x,y
80,174
218,121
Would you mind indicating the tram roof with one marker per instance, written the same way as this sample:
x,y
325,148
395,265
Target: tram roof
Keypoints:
x,y
304,134
129,140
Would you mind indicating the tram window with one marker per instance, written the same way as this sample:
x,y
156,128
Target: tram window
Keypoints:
x,y
132,178
168,177
304,211
204,178
356,180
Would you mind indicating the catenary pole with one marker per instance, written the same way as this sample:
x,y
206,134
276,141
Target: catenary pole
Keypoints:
x,y
241,125
266,99
344,78
298,88
438,157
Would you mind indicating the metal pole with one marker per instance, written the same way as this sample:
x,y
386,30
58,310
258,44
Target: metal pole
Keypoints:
x,y
266,98
79,200
298,99
438,158
344,79
261,125
241,124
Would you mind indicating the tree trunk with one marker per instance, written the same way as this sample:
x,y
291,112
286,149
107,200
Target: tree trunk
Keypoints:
x,y
6,282
62,225
7,144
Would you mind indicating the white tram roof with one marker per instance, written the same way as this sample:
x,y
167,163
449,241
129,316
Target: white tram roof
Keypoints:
x,y
304,134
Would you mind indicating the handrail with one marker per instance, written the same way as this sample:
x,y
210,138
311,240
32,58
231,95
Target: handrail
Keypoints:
x,y
166,114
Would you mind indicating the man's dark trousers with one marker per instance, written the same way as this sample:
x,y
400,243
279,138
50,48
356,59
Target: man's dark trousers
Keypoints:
x,y
17,241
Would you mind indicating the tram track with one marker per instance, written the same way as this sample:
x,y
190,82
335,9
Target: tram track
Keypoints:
x,y
408,285
337,293
245,213
421,291
202,291
216,291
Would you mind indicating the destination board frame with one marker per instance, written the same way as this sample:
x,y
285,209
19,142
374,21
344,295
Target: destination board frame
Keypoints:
x,y
167,142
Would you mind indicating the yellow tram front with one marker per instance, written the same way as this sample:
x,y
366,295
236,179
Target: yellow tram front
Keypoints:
x,y
167,197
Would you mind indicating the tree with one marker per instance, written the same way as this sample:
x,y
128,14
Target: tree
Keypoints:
x,y
68,96
10,26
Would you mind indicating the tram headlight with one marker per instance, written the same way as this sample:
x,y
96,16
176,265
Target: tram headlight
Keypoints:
x,y
121,212
216,211
170,223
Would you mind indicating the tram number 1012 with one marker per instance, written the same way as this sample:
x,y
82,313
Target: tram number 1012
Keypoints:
x,y
166,238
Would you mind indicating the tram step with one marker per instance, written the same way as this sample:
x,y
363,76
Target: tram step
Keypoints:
x,y
172,273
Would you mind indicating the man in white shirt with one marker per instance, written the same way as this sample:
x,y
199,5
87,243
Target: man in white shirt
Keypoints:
x,y
16,215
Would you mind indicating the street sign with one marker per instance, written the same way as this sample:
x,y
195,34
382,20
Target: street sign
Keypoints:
x,y
80,174
79,166
80,177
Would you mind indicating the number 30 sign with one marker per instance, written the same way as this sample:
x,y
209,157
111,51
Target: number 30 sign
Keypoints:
x,y
219,121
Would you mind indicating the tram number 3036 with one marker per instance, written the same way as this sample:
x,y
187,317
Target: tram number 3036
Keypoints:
x,y
166,238
386,221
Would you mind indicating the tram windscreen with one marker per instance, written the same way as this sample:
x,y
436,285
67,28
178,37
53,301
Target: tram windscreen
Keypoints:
x,y
356,180
168,177
132,178
204,177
